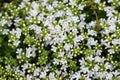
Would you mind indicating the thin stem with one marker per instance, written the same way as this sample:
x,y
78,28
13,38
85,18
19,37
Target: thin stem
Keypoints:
x,y
98,27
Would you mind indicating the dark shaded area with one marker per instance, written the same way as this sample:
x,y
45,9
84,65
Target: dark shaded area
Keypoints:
x,y
92,17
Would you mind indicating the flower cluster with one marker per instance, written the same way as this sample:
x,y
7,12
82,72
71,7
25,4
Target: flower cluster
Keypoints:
x,y
60,40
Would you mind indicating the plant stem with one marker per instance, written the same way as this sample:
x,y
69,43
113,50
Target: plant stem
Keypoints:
x,y
98,27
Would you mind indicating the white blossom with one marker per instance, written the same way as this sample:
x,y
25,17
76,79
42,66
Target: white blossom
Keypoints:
x,y
52,76
43,74
19,51
8,67
91,41
50,7
97,1
29,77
67,47
54,48
111,51
109,76
36,72
80,6
5,31
30,52
16,43
116,41
92,32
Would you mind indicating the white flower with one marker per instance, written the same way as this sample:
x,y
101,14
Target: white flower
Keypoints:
x,y
106,31
104,42
40,17
47,67
63,61
92,32
84,69
98,52
61,54
96,67
56,61
59,13
9,23
36,72
92,24
52,76
37,79
49,7
97,1
111,51
62,38
58,72
74,31
80,7
75,76
8,67
55,3
116,73
18,32
0,14
91,41
13,31
16,21
109,76
116,41
43,74
111,21
64,67
102,74
25,66
99,59
109,11
22,73
81,25
5,31
65,1
35,5
17,70
21,78
109,1
82,61
22,5
108,66
90,58
54,48
3,22
72,2
68,12
33,12
19,51
36,28
16,43
29,77
75,19
30,52
87,78
82,17
67,46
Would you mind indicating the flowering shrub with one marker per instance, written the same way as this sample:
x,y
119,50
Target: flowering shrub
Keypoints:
x,y
60,40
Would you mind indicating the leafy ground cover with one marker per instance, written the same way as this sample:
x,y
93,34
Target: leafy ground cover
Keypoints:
x,y
59,39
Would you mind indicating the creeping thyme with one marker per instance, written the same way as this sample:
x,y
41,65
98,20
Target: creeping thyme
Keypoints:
x,y
59,40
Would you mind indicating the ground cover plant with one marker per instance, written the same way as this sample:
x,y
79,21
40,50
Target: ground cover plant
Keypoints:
x,y
59,39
